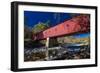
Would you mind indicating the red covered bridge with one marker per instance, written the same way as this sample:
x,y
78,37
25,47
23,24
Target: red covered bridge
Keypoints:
x,y
79,23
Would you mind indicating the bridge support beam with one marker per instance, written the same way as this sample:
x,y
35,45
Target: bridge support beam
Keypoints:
x,y
47,46
47,42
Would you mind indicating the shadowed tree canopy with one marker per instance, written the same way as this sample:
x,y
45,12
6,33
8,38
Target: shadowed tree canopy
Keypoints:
x,y
27,32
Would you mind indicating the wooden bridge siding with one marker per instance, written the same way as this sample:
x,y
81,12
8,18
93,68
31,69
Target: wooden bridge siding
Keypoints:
x,y
70,26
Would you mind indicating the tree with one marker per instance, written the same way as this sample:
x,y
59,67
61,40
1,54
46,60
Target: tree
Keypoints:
x,y
27,32
40,27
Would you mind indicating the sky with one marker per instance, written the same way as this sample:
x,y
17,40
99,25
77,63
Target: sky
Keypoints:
x,y
54,18
82,35
32,18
